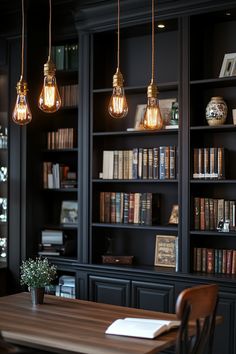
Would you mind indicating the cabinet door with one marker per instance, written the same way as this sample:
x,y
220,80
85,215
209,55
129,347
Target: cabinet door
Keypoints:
x,y
109,290
224,341
153,296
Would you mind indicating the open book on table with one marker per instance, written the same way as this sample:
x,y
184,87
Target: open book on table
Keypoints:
x,y
140,327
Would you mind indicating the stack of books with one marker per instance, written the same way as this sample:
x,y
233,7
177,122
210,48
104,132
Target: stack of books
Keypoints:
x,y
66,287
52,243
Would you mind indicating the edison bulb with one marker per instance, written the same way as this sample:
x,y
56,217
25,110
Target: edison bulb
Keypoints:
x,y
118,107
152,116
21,113
49,99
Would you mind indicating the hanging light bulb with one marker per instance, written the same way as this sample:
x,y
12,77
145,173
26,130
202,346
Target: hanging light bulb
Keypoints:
x,y
152,116
49,99
21,113
118,107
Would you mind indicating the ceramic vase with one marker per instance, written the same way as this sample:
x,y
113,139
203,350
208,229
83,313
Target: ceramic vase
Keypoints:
x,y
37,295
216,111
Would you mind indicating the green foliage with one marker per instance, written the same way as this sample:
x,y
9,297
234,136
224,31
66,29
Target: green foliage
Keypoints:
x,y
37,273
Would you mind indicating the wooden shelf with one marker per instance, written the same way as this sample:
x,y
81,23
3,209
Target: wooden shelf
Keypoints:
x,y
213,181
215,82
213,233
137,226
135,133
219,128
63,190
139,89
135,181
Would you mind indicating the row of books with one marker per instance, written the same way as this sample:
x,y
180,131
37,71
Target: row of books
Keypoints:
x,y
129,208
140,163
218,261
57,176
65,57
209,212
69,95
62,138
209,162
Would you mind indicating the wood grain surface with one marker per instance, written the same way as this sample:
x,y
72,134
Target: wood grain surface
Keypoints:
x,y
64,325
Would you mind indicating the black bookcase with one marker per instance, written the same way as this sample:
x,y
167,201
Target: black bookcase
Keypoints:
x,y
108,133
189,56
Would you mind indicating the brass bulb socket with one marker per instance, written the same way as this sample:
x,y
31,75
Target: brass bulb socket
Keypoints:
x,y
118,79
21,88
49,68
152,90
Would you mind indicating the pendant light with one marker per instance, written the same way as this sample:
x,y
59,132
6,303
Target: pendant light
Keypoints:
x,y
21,113
152,117
118,107
49,99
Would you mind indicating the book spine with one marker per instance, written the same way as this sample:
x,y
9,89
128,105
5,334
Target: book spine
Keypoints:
x,y
130,153
206,163
145,164
202,214
155,163
126,164
131,208
120,165
140,163
207,214
210,260
167,162
172,162
118,207
201,162
195,163
221,163
196,213
136,208
107,207
135,164
113,207
116,162
126,208
150,163
162,162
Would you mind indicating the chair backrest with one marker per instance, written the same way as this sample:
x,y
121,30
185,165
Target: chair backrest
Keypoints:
x,y
196,307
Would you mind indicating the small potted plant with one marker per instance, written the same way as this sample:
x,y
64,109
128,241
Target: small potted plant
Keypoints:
x,y
36,274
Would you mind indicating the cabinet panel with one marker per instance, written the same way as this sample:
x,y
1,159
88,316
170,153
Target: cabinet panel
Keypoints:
x,y
151,296
224,341
109,290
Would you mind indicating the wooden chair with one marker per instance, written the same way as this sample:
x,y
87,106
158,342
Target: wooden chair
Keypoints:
x,y
198,305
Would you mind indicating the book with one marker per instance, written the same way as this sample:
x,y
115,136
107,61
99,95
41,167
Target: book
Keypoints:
x,y
140,327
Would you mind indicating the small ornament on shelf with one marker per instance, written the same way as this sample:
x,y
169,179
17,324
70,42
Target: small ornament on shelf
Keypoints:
x,y
216,111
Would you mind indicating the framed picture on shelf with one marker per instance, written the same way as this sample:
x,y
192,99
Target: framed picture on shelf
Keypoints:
x,y
139,116
174,216
165,251
228,67
166,107
69,213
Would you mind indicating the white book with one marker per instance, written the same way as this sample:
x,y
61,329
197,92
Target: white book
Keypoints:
x,y
110,164
140,327
105,165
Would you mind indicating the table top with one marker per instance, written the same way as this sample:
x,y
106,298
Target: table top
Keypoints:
x,y
75,326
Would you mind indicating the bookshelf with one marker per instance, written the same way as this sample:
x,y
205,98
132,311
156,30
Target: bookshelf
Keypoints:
x,y
212,246
107,134
192,79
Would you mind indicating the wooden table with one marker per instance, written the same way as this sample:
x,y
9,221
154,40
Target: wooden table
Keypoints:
x,y
65,326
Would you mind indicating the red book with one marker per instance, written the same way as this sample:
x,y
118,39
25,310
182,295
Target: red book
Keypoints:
x,y
210,260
